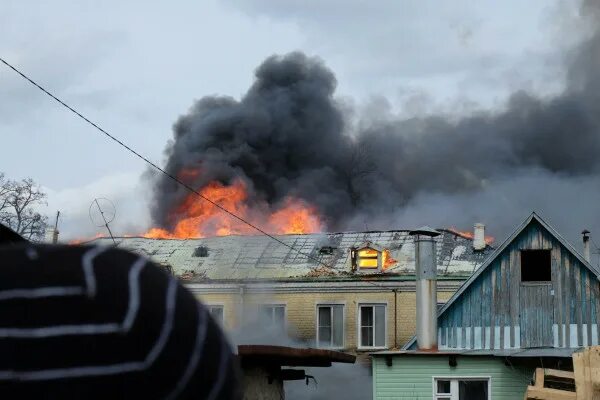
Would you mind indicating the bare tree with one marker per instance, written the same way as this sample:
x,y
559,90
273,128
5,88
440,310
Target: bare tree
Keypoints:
x,y
18,201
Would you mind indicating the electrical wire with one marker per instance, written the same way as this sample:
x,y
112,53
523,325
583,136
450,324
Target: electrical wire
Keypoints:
x,y
156,167
170,176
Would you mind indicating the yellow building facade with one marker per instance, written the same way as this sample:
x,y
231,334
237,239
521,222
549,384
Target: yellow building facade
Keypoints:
x,y
303,302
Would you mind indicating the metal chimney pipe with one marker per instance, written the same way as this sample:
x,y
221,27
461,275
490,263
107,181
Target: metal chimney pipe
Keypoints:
x,y
479,237
426,282
586,245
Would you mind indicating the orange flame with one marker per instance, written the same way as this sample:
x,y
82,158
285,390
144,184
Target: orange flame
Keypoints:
x,y
388,261
469,235
195,217
79,241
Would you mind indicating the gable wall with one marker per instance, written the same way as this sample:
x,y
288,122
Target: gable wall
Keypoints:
x,y
489,312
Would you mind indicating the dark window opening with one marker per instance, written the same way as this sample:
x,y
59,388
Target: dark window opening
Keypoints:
x,y
201,251
473,390
536,266
326,250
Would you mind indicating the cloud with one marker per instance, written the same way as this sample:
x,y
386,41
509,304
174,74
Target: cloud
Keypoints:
x,y
125,190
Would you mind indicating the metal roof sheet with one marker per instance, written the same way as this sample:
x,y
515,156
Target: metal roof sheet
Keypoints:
x,y
238,257
533,352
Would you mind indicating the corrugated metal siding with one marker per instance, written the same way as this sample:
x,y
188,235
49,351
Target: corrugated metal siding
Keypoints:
x,y
497,311
411,377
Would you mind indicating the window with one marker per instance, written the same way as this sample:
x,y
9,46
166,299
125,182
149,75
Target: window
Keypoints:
x,y
457,388
368,258
274,315
330,326
200,251
217,313
536,266
372,325
326,250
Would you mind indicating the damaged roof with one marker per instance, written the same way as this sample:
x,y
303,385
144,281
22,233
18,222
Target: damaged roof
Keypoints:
x,y
244,257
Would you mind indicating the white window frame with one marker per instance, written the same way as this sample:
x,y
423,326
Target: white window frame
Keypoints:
x,y
359,345
454,385
216,305
330,304
261,308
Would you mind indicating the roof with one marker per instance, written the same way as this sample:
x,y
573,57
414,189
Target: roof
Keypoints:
x,y
521,353
532,217
241,257
291,356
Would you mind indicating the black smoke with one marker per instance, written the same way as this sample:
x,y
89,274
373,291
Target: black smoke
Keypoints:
x,y
288,135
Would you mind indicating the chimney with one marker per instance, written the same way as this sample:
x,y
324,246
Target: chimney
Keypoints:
x,y
51,235
426,279
586,245
479,237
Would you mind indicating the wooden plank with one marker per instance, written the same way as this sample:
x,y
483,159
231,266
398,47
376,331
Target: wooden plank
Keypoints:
x,y
483,312
451,328
442,328
549,331
588,306
558,373
596,289
579,372
525,317
557,285
493,309
578,303
458,322
594,357
567,300
514,294
502,300
473,318
463,325
539,377
535,393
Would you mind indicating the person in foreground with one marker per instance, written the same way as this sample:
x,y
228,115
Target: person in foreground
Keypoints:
x,y
81,322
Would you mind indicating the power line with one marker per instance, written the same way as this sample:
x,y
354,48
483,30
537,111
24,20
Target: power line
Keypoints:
x,y
175,179
153,165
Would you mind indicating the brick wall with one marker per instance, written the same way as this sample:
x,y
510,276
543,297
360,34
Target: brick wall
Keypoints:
x,y
301,311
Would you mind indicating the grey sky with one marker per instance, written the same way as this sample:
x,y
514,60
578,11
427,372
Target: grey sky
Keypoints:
x,y
135,66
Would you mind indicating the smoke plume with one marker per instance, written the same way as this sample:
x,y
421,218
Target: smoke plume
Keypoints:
x,y
289,135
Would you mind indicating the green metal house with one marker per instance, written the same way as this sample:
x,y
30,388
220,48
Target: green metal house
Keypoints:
x,y
532,303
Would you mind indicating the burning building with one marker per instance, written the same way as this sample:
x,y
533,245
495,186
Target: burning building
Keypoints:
x,y
352,291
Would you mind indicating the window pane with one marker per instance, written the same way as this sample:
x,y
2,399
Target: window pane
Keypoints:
x,y
472,390
338,326
324,337
366,316
325,316
266,313
368,253
367,263
279,316
366,336
443,387
380,326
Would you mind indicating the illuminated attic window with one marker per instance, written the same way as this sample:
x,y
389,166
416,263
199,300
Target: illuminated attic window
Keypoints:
x,y
366,257
201,251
